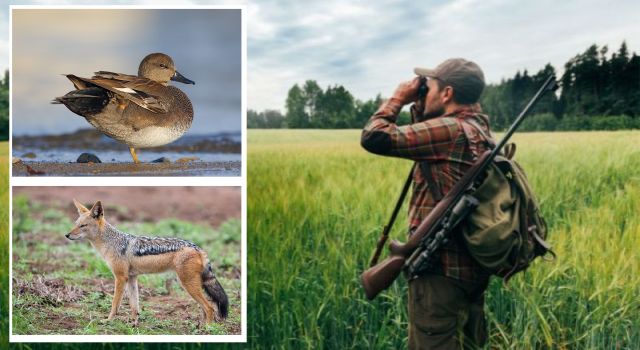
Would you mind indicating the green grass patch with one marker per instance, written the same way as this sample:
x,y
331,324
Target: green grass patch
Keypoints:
x,y
64,287
317,202
4,244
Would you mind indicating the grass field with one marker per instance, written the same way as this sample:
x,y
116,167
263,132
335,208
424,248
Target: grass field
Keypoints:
x,y
317,202
4,243
63,287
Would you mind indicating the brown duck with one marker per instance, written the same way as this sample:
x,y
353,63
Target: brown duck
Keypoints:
x,y
139,111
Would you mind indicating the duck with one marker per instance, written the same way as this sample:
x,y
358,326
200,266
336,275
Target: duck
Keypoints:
x,y
138,110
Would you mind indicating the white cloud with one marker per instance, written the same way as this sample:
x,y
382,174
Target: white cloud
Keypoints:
x,y
370,47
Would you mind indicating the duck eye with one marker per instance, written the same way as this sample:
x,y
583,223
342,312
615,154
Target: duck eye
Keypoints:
x,y
163,66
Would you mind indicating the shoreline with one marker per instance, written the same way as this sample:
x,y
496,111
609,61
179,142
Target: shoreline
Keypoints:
x,y
35,168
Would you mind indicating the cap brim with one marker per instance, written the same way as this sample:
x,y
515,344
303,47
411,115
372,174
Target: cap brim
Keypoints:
x,y
424,72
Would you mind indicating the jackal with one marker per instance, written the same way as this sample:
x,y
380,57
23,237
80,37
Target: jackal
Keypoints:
x,y
129,256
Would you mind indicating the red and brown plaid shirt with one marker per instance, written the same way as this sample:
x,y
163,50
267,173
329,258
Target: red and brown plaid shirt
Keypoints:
x,y
443,144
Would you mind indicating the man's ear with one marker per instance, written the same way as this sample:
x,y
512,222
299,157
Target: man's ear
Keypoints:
x,y
447,95
81,208
96,210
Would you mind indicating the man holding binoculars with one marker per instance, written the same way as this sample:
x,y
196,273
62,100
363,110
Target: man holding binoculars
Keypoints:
x,y
448,131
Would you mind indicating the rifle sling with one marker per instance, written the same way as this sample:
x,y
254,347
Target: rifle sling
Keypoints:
x,y
433,187
403,194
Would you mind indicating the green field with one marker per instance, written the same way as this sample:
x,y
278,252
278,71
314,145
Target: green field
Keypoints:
x,y
63,287
4,243
316,204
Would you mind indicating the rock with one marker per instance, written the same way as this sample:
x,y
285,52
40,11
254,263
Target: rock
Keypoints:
x,y
187,159
16,160
88,158
161,160
29,155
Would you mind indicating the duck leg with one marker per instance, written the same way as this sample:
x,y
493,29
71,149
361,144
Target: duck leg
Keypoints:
x,y
133,154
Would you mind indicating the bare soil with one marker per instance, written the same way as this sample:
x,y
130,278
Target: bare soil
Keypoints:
x,y
211,205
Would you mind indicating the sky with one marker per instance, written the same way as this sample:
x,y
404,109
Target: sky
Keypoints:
x,y
205,45
369,47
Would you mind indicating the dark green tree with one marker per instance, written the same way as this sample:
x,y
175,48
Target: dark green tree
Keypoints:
x,y
296,117
336,109
364,111
4,107
312,94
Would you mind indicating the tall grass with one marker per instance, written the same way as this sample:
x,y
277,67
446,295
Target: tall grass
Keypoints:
x,y
4,244
317,202
316,205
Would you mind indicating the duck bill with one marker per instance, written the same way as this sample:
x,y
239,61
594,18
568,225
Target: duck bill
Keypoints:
x,y
181,78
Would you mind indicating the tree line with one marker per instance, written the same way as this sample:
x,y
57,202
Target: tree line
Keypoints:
x,y
4,107
598,91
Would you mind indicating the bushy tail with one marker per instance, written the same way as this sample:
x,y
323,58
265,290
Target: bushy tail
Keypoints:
x,y
214,290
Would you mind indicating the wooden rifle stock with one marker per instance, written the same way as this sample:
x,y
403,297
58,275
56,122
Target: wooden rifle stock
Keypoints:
x,y
379,277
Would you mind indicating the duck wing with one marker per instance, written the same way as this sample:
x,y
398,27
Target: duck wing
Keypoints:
x,y
141,91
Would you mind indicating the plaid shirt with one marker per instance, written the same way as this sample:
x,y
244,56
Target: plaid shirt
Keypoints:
x,y
443,144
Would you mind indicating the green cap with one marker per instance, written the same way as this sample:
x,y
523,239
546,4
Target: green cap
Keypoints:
x,y
464,76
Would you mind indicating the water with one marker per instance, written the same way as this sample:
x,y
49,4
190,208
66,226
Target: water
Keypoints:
x,y
62,155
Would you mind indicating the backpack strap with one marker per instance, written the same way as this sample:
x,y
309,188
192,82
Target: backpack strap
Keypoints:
x,y
509,150
487,139
425,167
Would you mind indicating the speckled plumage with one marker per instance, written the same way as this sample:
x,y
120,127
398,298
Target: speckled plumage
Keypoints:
x,y
138,110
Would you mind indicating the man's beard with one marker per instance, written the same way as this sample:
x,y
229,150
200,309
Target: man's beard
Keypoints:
x,y
431,113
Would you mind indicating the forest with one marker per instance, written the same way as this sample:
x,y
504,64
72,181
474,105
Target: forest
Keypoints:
x,y
4,107
600,90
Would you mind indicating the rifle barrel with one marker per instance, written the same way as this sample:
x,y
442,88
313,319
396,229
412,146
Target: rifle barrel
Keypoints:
x,y
549,85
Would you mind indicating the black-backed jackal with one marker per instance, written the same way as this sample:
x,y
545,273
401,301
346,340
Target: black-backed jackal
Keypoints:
x,y
129,256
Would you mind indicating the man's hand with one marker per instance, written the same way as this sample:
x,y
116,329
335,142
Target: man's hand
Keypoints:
x,y
406,92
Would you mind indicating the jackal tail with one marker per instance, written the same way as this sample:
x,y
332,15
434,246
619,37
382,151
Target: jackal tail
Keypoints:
x,y
214,290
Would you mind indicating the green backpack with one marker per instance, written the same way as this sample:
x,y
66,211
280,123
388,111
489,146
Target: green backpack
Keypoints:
x,y
506,232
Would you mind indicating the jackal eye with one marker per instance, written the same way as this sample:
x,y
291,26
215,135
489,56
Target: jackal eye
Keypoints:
x,y
83,225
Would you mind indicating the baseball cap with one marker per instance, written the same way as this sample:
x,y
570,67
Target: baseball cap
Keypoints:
x,y
464,76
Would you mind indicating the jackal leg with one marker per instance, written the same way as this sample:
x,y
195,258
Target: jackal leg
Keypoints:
x,y
189,273
132,292
117,295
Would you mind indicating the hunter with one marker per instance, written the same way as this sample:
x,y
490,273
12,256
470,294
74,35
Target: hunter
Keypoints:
x,y
446,304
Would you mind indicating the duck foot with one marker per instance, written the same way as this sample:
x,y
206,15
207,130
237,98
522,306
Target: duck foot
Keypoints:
x,y
133,154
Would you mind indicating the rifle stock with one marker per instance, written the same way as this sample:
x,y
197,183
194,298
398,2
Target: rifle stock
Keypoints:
x,y
379,277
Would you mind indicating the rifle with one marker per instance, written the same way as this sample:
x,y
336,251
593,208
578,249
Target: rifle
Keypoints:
x,y
434,231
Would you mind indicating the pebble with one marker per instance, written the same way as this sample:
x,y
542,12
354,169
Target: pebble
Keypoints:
x,y
88,158
161,160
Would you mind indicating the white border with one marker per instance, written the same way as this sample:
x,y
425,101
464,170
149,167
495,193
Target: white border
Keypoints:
x,y
104,181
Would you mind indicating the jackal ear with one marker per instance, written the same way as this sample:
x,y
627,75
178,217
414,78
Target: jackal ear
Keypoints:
x,y
81,208
96,210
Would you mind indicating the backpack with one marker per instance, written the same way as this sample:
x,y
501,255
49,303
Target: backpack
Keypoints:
x,y
506,232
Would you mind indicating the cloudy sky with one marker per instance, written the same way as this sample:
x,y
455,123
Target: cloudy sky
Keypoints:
x,y
370,46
